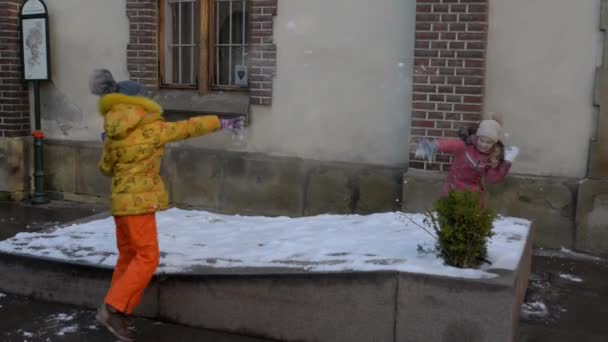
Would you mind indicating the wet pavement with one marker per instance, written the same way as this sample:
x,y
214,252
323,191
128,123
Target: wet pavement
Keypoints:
x,y
567,297
25,320
18,217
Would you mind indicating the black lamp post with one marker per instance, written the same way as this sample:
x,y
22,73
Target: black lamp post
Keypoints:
x,y
35,57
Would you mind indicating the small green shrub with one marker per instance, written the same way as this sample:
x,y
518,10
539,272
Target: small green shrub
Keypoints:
x,y
462,226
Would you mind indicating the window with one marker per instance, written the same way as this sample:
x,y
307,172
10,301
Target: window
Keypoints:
x,y
203,44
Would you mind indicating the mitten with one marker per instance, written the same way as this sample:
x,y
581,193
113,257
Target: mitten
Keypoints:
x,y
511,153
426,149
234,124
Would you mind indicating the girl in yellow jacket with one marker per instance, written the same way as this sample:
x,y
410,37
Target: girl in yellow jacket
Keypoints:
x,y
134,144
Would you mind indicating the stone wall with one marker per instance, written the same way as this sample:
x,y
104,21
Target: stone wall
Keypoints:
x,y
236,183
547,201
15,167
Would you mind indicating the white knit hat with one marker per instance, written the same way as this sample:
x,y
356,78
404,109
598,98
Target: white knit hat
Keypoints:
x,y
491,127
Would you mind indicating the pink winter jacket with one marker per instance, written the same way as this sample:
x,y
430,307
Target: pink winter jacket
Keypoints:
x,y
469,167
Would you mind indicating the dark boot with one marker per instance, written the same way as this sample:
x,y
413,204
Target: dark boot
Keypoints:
x,y
115,322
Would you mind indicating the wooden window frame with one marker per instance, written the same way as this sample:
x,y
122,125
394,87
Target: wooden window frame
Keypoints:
x,y
206,56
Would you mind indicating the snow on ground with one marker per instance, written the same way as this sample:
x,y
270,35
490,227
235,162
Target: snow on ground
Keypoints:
x,y
533,310
571,277
326,243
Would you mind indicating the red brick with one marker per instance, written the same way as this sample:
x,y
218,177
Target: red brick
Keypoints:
x,y
426,53
473,99
438,62
423,105
436,98
471,117
437,80
441,9
420,18
444,124
436,116
421,79
456,63
467,108
476,27
474,63
422,61
470,54
420,97
457,45
473,81
423,123
427,36
423,27
440,27
472,18
447,18
424,8
469,72
481,8
445,90
447,36
447,54
444,107
453,116
423,44
439,45
471,36
418,114
469,90
455,80
434,133
458,8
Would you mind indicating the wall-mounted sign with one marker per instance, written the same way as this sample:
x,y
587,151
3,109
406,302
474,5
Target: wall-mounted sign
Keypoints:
x,y
240,75
35,48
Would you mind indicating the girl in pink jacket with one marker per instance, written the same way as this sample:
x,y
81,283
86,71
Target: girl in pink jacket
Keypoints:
x,y
479,156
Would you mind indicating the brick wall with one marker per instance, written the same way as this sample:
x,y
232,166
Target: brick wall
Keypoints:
x,y
14,100
449,71
142,50
262,50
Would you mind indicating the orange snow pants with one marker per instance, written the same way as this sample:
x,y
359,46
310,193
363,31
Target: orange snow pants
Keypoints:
x,y
138,258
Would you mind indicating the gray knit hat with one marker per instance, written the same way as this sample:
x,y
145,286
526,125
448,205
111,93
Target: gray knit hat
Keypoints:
x,y
102,83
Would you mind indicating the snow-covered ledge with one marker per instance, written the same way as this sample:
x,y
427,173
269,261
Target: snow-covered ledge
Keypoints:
x,y
323,278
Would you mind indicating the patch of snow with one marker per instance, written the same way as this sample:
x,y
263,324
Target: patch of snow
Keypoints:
x,y
67,330
61,317
2,295
326,243
28,334
534,310
571,277
565,253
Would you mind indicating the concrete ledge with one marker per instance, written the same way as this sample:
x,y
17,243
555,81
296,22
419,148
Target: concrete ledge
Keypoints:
x,y
296,305
287,307
592,217
549,202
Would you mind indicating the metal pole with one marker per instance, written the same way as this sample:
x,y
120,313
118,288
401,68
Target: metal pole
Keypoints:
x,y
39,194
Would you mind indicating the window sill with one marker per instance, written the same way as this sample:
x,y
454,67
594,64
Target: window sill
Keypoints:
x,y
180,104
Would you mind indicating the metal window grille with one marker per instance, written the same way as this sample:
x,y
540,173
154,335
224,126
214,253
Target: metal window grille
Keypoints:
x,y
181,53
230,43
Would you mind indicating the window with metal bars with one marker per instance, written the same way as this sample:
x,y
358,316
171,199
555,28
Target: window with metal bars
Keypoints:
x,y
204,44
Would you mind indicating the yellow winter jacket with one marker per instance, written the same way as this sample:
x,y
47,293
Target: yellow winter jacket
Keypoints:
x,y
136,134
